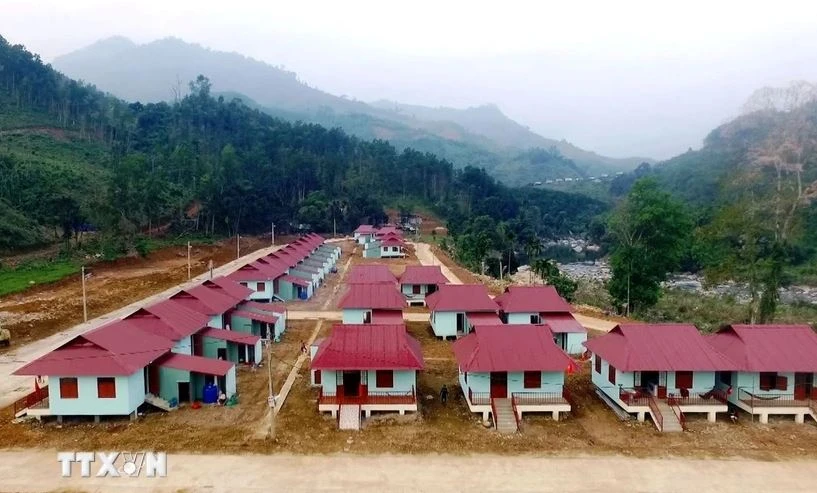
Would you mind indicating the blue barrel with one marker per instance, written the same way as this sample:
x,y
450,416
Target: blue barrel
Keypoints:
x,y
210,394
302,295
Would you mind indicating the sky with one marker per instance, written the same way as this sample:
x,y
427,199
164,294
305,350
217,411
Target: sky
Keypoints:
x,y
626,78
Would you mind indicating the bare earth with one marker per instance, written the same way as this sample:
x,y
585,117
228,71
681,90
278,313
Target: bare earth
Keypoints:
x,y
35,471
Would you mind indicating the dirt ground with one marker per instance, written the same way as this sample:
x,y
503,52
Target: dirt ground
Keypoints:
x,y
46,309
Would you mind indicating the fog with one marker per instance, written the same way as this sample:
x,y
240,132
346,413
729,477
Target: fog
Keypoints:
x,y
634,78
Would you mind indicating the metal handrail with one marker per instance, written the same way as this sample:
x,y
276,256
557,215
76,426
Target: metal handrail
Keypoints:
x,y
493,413
760,398
31,399
672,402
656,413
515,413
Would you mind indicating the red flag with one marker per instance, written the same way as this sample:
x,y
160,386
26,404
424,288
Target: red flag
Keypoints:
x,y
570,369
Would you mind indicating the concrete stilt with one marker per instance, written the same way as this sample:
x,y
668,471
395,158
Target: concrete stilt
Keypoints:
x,y
555,415
368,413
764,418
133,416
59,419
641,416
799,418
96,419
711,416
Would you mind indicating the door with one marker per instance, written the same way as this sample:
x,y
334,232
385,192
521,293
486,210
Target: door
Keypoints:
x,y
499,384
153,379
184,391
264,331
222,384
351,383
196,341
250,354
648,378
460,322
803,384
221,353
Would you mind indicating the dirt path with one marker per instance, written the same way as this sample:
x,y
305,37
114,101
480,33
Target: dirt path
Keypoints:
x,y
39,471
13,387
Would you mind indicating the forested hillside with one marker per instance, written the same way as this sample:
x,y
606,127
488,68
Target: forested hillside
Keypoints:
x,y
73,158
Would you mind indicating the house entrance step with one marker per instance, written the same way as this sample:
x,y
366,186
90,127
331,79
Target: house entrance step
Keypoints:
x,y
349,417
505,421
671,423
156,401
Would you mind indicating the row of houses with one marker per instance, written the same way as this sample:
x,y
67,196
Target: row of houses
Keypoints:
x,y
181,349
384,242
669,370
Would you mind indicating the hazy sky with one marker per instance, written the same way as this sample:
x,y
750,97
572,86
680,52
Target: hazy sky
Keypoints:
x,y
621,78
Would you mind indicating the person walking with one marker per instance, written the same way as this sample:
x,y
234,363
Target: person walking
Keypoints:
x,y
444,394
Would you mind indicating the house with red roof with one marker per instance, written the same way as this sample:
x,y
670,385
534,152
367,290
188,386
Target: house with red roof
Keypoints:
x,y
543,305
364,234
368,368
508,370
261,277
773,369
372,304
664,370
370,274
387,245
266,320
456,308
417,281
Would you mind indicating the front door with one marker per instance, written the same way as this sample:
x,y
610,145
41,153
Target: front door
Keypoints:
x,y
153,379
184,391
803,383
351,383
460,322
499,385
250,353
264,331
221,353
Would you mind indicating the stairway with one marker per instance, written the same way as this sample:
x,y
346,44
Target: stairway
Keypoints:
x,y
671,423
349,417
504,420
158,402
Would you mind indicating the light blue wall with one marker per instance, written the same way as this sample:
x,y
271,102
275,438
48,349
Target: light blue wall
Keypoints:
x,y
230,382
329,381
372,250
388,252
216,321
130,393
481,382
573,342
519,318
354,315
623,379
169,379
407,289
184,346
265,294
750,382
444,324
404,381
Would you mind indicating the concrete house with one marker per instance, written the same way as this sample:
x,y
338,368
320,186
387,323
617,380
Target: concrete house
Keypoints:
x,y
372,304
362,369
364,234
390,246
417,281
664,370
511,370
773,369
261,277
371,274
266,320
456,308
543,305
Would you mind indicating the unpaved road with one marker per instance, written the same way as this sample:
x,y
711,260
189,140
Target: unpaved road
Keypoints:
x,y
40,472
14,387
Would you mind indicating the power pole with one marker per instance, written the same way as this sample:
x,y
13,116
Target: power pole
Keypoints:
x,y
210,266
334,227
84,298
271,398
188,260
237,245
273,234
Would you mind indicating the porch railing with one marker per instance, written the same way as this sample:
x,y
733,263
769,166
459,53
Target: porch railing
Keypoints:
x,y
372,397
659,418
493,414
31,400
761,398
479,398
515,410
538,398
635,396
676,409
712,397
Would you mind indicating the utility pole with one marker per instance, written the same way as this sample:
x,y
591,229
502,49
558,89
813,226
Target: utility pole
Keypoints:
x,y
271,398
334,227
210,266
188,260
237,245
84,298
273,234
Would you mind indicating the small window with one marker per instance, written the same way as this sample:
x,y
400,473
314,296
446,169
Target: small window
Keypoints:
x,y
533,379
683,379
384,379
768,380
611,374
597,363
69,388
534,319
466,377
415,289
367,318
106,388
259,287
317,377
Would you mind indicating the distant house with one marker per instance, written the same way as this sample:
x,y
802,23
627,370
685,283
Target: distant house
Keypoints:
x,y
417,281
543,305
372,304
512,368
456,308
261,277
266,320
773,369
391,246
370,274
366,368
364,234
659,369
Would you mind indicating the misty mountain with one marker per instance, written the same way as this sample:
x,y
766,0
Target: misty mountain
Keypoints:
x,y
482,136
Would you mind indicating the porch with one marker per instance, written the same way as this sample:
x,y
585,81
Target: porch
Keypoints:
x,y
799,403
33,404
368,401
641,400
521,402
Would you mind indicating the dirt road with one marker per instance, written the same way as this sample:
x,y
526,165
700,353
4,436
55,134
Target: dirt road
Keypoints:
x,y
13,387
39,471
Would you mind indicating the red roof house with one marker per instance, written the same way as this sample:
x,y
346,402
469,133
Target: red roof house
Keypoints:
x,y
423,275
532,299
369,347
372,303
510,348
370,274
768,348
462,298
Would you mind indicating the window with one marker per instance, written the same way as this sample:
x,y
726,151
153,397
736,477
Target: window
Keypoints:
x,y
394,249
259,287
533,379
384,379
317,377
367,318
611,374
683,379
597,363
106,388
768,380
243,284
68,388
534,319
415,289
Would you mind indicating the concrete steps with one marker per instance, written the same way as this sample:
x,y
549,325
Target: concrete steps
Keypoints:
x,y
504,420
349,417
671,422
156,401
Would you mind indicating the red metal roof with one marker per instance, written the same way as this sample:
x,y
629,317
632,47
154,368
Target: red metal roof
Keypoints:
x,y
387,317
372,296
217,302
183,320
423,274
298,281
198,364
229,288
148,322
266,307
657,347
365,229
257,316
461,298
562,323
768,348
483,318
230,335
369,347
392,241
254,272
510,348
370,274
532,299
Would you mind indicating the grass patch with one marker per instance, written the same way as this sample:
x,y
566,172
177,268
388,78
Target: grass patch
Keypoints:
x,y
24,276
